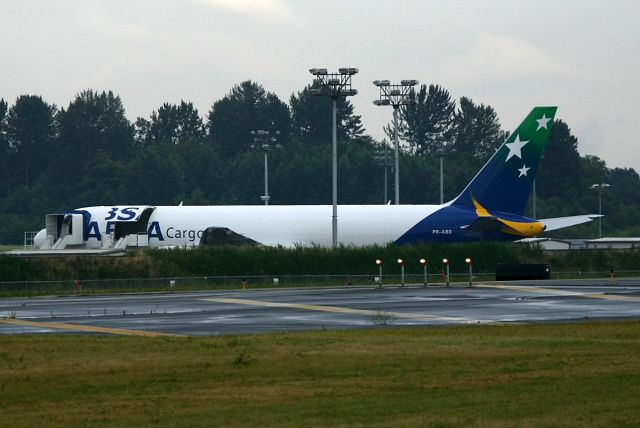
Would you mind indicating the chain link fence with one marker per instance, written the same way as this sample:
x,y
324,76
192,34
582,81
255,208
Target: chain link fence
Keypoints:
x,y
125,285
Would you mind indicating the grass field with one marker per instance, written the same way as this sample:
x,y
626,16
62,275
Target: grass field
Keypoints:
x,y
584,374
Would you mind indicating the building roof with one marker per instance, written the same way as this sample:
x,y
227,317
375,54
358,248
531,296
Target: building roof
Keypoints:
x,y
538,240
605,240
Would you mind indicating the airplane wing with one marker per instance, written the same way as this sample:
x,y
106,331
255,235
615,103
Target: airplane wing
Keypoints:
x,y
561,222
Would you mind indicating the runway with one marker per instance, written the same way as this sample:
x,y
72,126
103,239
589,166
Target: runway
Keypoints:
x,y
285,310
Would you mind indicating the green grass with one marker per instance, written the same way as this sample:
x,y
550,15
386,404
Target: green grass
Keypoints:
x,y
499,376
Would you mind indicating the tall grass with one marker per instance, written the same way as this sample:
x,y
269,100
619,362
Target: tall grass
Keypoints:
x,y
240,261
343,260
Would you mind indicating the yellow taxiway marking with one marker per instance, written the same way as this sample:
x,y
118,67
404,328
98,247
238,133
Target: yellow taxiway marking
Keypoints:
x,y
333,309
532,289
88,328
616,297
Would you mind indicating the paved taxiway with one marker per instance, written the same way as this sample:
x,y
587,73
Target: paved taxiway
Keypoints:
x,y
271,310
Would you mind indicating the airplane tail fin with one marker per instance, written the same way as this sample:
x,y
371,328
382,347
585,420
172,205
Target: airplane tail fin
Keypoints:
x,y
505,181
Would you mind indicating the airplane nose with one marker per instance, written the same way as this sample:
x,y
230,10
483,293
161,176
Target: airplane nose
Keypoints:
x,y
38,240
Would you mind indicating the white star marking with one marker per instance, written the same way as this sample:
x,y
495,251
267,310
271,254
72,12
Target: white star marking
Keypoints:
x,y
542,123
515,148
523,171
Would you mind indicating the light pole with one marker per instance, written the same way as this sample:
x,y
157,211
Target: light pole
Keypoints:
x,y
382,156
395,95
441,178
334,85
600,187
380,263
401,263
469,262
423,262
446,263
264,141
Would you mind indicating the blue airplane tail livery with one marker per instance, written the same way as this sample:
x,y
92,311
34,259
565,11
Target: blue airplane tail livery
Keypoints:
x,y
493,203
505,182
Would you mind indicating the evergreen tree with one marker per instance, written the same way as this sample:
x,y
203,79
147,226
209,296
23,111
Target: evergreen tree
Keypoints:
x,y
560,170
248,107
29,132
171,124
312,117
593,170
620,213
426,125
105,182
93,129
156,176
477,130
93,122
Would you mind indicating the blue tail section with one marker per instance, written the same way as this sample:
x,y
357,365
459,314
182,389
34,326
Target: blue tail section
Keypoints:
x,y
493,203
505,182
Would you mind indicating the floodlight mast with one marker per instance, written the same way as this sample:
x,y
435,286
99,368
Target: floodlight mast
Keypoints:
x,y
395,95
334,85
263,140
384,159
599,187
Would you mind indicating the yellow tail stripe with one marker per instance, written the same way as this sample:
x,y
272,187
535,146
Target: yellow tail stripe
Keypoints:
x,y
522,228
480,210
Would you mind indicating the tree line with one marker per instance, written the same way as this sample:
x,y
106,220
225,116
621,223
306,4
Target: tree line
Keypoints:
x,y
89,153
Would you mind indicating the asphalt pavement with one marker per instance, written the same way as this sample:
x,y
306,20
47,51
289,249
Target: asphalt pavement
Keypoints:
x,y
250,311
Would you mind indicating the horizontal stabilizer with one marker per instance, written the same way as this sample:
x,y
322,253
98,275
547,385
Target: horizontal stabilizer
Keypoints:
x,y
496,224
484,225
561,222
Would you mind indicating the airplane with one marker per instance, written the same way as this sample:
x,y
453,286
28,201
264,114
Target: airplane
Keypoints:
x,y
491,207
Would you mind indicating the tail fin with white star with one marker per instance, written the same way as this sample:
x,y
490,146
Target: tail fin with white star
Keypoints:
x,y
505,182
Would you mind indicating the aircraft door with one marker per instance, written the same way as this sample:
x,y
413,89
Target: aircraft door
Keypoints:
x,y
65,229
135,228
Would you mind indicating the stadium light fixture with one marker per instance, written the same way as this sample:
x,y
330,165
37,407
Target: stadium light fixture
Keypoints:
x,y
384,159
599,187
348,70
395,95
265,141
318,71
334,86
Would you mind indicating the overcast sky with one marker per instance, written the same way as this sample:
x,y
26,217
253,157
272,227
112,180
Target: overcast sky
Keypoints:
x,y
580,55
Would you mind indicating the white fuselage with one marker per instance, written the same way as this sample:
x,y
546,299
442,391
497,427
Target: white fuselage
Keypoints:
x,y
286,225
